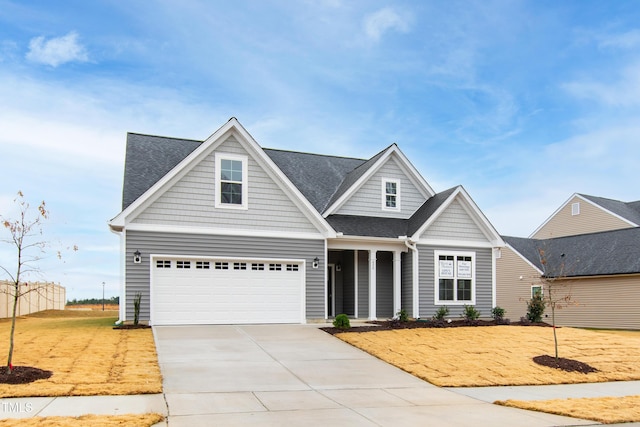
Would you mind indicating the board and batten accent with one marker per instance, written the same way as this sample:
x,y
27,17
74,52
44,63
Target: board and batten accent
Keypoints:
x,y
483,275
367,200
191,201
591,219
138,278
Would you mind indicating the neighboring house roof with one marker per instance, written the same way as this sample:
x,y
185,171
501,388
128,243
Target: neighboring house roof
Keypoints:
x,y
595,254
627,210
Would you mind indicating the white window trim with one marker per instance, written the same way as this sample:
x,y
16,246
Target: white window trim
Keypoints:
x,y
436,296
537,286
245,181
384,194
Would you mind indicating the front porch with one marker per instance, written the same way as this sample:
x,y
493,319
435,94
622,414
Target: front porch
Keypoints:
x,y
368,283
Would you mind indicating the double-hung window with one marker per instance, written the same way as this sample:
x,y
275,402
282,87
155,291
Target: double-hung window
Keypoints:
x,y
455,278
231,181
390,194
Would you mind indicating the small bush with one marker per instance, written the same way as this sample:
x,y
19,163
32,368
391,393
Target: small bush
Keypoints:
x,y
441,313
136,308
470,314
524,321
402,316
498,314
341,322
535,308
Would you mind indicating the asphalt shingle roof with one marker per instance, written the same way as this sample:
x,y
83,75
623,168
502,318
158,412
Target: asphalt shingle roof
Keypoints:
x,y
320,178
595,254
629,211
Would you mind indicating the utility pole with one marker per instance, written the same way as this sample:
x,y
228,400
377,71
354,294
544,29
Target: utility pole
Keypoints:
x,y
102,296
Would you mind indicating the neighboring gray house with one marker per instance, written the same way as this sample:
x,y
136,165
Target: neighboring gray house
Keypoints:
x,y
224,231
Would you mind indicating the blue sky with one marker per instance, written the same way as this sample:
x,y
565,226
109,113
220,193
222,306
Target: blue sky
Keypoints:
x,y
522,102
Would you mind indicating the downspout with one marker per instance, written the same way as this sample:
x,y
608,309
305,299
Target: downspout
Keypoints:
x,y
413,247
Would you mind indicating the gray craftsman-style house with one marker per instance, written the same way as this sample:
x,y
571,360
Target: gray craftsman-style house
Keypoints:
x,y
225,231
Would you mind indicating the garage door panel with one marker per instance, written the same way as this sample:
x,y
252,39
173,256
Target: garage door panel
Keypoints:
x,y
230,291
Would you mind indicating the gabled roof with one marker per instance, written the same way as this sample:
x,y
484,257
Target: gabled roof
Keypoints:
x,y
595,254
317,176
149,158
628,211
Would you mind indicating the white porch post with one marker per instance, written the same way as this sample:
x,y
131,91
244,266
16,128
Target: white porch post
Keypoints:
x,y
416,283
372,284
397,280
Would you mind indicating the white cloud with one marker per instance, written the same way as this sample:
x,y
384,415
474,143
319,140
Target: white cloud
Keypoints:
x,y
384,20
628,40
57,51
624,92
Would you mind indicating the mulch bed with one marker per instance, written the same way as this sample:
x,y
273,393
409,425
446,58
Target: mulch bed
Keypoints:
x,y
23,375
568,365
388,325
132,327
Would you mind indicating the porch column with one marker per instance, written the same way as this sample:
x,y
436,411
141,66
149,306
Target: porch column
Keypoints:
x,y
372,284
397,280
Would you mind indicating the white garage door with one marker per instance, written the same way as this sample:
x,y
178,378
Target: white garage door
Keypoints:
x,y
225,291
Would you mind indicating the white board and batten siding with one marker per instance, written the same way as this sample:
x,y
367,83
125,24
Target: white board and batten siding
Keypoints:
x,y
199,246
367,200
191,201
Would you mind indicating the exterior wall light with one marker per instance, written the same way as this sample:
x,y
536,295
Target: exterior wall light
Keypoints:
x,y
316,262
137,257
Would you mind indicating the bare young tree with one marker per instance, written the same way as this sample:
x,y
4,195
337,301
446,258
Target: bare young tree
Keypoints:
x,y
25,235
556,292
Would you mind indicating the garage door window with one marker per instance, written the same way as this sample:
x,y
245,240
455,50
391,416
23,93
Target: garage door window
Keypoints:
x,y
257,266
183,264
292,267
202,265
275,267
239,265
222,265
161,263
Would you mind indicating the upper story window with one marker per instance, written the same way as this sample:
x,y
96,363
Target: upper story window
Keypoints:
x,y
455,278
390,194
231,181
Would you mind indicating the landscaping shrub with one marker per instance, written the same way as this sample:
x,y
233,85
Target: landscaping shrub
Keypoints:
x,y
498,316
441,313
341,321
535,308
136,308
402,315
470,314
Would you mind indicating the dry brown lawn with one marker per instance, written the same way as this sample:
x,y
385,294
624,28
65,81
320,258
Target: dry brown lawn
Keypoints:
x,y
607,410
501,355
143,420
86,355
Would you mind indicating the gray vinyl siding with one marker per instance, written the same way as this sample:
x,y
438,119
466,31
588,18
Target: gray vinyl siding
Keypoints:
x,y
406,284
348,296
363,284
367,201
191,200
384,285
427,281
454,224
137,276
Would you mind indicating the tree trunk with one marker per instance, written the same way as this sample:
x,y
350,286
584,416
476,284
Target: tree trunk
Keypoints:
x,y
16,296
553,322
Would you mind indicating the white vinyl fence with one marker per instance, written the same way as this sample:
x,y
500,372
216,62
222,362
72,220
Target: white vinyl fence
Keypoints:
x,y
41,296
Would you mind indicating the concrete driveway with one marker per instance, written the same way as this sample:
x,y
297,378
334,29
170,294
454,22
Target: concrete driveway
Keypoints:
x,y
298,375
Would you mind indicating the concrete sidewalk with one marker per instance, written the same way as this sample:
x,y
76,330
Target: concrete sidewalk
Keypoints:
x,y
73,406
544,392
